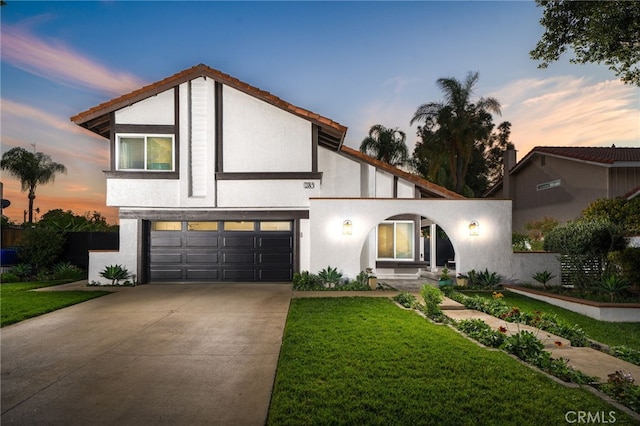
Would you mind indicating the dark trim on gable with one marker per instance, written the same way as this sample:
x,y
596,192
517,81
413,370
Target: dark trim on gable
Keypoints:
x,y
145,128
219,140
211,215
314,147
176,129
395,186
269,176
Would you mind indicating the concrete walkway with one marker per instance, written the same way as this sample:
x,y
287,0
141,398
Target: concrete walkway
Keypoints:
x,y
149,355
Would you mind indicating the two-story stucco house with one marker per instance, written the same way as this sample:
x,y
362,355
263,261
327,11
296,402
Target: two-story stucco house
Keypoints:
x,y
560,182
217,180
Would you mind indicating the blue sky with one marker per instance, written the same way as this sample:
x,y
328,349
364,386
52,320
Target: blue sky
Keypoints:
x,y
358,63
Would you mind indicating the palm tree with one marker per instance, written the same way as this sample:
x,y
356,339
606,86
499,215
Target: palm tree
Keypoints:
x,y
386,144
458,123
32,169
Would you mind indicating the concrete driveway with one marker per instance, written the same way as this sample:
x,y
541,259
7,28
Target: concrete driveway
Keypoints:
x,y
180,354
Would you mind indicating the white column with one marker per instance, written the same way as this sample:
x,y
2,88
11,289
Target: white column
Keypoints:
x,y
432,251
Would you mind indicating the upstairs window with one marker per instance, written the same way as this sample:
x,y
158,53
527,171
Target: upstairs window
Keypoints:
x,y
154,153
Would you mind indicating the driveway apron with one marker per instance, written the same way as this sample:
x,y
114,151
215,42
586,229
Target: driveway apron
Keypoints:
x,y
180,354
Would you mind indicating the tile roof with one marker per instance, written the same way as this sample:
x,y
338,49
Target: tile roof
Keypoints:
x,y
96,118
428,187
604,155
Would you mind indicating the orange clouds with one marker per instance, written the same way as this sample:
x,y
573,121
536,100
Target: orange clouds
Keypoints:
x,y
57,62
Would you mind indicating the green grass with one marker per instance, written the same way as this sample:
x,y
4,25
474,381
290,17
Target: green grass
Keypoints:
x,y
17,303
365,361
609,333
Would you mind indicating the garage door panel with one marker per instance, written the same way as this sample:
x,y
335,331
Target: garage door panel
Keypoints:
x,y
207,258
166,257
166,241
285,242
239,274
204,241
239,258
276,275
238,242
166,274
277,258
203,274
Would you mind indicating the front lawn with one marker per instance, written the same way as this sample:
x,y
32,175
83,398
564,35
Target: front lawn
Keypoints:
x,y
17,303
366,361
609,333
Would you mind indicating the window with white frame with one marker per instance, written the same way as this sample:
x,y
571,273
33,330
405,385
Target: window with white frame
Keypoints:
x,y
396,240
137,152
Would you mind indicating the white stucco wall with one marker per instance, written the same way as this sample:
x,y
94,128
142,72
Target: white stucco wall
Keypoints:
x,y
384,184
143,192
259,137
158,109
126,257
491,249
526,264
266,193
340,175
304,249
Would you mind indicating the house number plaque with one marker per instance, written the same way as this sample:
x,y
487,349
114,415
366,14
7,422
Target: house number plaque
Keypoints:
x,y
309,185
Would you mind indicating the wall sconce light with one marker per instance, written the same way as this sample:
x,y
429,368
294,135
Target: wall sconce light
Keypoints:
x,y
346,227
474,228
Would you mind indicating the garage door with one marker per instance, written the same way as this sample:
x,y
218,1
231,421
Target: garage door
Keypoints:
x,y
221,251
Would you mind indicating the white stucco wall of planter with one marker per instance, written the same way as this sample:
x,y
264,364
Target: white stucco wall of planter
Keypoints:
x,y
126,256
526,264
610,312
490,249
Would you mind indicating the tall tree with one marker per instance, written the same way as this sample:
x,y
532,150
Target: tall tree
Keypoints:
x,y
597,31
457,124
32,169
386,144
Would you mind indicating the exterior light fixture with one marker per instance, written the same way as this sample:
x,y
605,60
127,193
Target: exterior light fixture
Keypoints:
x,y
474,228
346,227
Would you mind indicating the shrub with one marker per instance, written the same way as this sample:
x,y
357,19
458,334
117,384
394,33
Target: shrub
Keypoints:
x,y
525,345
407,300
305,281
612,285
41,247
488,279
21,270
67,271
115,273
625,353
621,387
543,277
627,261
482,332
8,277
432,298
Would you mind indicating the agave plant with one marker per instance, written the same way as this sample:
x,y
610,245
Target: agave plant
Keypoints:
x,y
543,278
488,279
612,284
115,273
330,276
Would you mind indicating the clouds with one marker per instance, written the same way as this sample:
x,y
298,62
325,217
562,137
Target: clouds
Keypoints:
x,y
570,111
55,61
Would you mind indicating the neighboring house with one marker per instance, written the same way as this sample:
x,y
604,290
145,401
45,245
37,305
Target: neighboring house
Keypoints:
x,y
560,182
217,180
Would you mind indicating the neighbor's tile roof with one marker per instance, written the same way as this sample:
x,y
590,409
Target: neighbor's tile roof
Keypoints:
x,y
97,118
604,155
427,187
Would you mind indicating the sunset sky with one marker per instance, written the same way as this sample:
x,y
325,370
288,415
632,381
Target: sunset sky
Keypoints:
x,y
358,63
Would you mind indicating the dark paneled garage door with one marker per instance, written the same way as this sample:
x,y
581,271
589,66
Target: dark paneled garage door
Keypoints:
x,y
221,251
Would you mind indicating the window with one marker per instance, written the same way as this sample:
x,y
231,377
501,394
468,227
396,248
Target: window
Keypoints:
x,y
548,185
202,226
238,226
275,226
396,240
166,226
145,152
